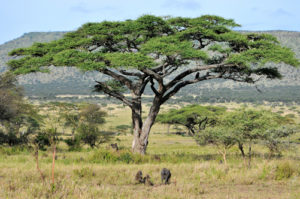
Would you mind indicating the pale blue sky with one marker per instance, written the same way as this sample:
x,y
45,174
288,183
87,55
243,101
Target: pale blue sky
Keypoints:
x,y
20,16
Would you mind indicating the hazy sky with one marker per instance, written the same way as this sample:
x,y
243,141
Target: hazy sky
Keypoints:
x,y
20,16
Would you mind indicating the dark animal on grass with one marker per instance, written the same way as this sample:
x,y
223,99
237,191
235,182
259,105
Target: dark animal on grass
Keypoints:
x,y
148,181
139,177
165,176
115,146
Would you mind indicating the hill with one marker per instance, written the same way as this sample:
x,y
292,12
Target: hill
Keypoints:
x,y
65,80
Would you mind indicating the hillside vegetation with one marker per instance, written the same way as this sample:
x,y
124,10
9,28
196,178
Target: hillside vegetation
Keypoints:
x,y
66,80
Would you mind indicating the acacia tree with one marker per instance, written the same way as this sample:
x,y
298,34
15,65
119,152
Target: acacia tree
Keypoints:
x,y
10,97
220,136
165,53
249,125
245,126
91,116
15,113
193,117
86,124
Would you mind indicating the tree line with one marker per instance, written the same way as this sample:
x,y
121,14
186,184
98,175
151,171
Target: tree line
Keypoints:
x,y
22,124
223,129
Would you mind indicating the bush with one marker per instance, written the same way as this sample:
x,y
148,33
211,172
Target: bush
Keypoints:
x,y
73,143
291,115
42,140
284,171
122,156
103,156
126,157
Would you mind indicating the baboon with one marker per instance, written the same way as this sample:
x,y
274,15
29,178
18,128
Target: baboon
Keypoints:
x,y
165,176
142,180
147,181
115,146
139,177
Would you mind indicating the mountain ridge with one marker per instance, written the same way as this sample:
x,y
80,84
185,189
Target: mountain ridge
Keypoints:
x,y
61,80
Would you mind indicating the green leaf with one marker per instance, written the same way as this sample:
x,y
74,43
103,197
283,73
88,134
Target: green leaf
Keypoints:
x,y
129,60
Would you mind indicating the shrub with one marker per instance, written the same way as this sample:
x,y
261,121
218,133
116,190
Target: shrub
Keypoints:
x,y
103,156
284,171
90,134
42,140
73,143
291,115
126,157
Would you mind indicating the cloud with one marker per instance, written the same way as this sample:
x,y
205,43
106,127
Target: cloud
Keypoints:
x,y
186,5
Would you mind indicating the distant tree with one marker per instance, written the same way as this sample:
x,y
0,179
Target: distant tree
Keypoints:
x,y
245,126
15,113
71,120
273,138
165,53
193,117
10,97
91,135
85,128
42,140
220,136
92,114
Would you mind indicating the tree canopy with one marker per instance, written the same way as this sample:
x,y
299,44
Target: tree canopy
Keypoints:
x,y
244,126
193,117
85,125
15,113
165,53
10,97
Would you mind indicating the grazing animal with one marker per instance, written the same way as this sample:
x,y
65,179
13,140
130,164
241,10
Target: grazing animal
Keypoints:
x,y
148,181
139,177
165,176
115,146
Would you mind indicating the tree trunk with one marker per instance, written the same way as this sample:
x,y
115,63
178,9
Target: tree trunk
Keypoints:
x,y
37,162
224,157
142,130
222,151
168,131
250,153
241,147
53,162
139,146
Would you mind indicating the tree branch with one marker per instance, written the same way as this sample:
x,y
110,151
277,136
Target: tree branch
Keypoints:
x,y
170,71
136,74
160,68
153,88
143,85
153,74
182,75
158,78
187,82
118,77
109,91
